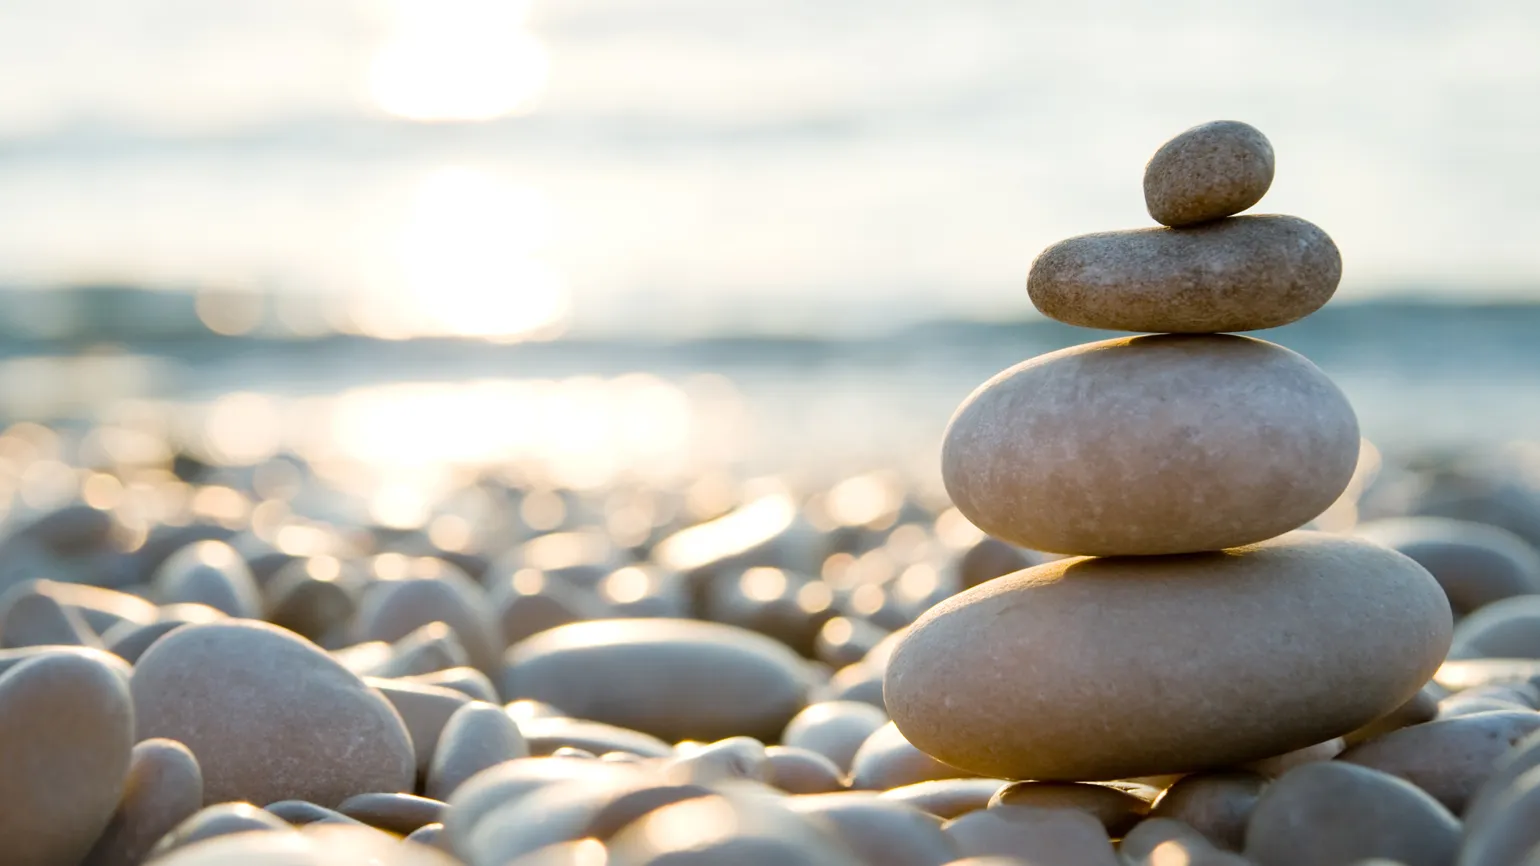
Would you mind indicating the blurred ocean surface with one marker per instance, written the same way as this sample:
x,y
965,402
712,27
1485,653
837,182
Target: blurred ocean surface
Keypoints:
x,y
753,234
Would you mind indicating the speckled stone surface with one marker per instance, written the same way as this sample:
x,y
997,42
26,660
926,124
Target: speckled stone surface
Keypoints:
x,y
270,716
1151,445
1117,665
1210,171
674,679
66,733
1239,274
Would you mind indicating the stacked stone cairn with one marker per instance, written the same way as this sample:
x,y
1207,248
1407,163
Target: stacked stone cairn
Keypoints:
x,y
1192,628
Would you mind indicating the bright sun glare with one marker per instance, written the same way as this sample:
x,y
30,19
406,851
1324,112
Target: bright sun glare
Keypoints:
x,y
458,60
468,258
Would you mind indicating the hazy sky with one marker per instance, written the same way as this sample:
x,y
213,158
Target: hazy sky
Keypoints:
x,y
704,164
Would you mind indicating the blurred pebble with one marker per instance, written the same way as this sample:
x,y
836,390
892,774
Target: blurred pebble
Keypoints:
x,y
1277,765
396,813
674,679
425,710
211,573
528,602
220,819
466,680
1118,811
834,729
846,640
947,798
164,788
313,597
427,649
1217,804
801,771
1331,812
479,735
1506,628
887,760
434,592
1449,758
1067,836
744,831
546,735
302,812
881,831
33,619
732,758
1476,563
1421,707
66,739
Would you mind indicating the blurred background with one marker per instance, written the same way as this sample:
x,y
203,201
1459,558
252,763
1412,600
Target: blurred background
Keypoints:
x,y
660,241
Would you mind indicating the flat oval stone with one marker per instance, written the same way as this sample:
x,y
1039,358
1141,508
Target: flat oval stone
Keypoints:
x,y
220,819
1332,813
947,798
1240,274
1422,707
296,726
399,813
1476,563
1502,826
1065,836
505,784
1217,805
33,619
546,735
1151,445
466,680
674,679
66,736
744,831
1208,172
1321,634
1117,810
164,788
881,831
1450,758
834,729
479,735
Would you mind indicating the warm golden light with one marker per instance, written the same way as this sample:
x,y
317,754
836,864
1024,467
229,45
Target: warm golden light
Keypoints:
x,y
468,261
458,60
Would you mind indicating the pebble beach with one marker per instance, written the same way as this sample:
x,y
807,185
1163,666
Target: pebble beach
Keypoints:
x,y
1153,601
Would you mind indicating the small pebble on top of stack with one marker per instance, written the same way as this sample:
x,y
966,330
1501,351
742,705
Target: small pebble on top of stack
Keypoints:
x,y
1157,453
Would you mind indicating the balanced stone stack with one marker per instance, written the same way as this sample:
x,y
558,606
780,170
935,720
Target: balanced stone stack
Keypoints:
x,y
1193,628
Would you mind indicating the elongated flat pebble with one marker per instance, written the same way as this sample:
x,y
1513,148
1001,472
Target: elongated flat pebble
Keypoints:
x,y
801,771
316,845
1333,813
881,831
546,735
164,788
425,710
211,573
726,760
100,607
66,736
834,729
425,650
528,602
1236,441
1217,805
1501,827
743,831
10,658
505,784
479,735
466,680
1449,758
1476,563
1060,836
1208,172
888,760
390,610
220,819
947,798
312,597
428,835
1241,274
1118,811
1134,690
296,726
398,813
1277,765
1140,842
1506,628
302,813
674,679
634,804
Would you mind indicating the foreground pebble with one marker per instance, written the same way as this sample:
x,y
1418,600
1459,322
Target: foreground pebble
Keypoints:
x,y
66,739
1169,698
164,787
297,726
